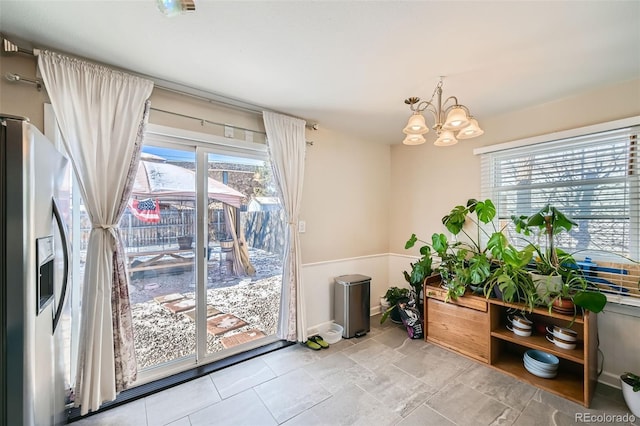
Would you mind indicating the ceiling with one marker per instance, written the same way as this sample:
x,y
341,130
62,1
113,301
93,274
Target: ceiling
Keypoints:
x,y
348,65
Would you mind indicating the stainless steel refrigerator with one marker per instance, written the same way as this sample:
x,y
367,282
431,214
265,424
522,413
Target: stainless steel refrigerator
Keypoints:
x,y
34,264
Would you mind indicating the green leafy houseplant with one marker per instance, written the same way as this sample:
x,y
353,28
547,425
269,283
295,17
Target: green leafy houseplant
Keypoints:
x,y
549,260
420,270
479,213
462,263
632,380
451,267
546,224
393,296
511,276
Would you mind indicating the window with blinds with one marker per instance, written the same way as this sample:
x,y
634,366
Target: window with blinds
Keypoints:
x,y
591,178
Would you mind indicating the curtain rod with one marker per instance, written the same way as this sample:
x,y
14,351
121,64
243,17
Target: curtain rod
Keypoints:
x,y
17,78
204,120
242,106
10,47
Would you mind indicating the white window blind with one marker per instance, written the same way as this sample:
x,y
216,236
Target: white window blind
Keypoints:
x,y
594,180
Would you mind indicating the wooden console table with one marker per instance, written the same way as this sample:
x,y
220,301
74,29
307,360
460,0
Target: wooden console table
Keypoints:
x,y
476,327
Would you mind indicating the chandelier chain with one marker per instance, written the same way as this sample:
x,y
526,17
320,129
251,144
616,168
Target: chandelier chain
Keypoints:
x,y
435,90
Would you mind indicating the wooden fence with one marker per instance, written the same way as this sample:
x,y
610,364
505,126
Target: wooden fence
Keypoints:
x,y
263,230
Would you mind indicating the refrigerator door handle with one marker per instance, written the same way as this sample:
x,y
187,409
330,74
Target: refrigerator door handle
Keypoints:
x,y
65,250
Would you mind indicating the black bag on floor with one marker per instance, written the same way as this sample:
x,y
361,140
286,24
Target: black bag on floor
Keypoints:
x,y
411,319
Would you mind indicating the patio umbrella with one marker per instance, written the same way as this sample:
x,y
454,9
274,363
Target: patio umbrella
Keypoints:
x,y
168,181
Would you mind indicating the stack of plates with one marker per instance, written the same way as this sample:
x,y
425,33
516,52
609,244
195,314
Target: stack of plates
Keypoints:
x,y
541,364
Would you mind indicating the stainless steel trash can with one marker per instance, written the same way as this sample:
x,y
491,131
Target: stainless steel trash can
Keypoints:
x,y
351,304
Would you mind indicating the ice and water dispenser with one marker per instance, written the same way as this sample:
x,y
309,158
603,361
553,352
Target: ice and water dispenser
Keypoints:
x,y
351,304
45,274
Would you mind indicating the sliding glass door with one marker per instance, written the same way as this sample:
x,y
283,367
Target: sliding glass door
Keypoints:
x,y
204,236
244,234
158,230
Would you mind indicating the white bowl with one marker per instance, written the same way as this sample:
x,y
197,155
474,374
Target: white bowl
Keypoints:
x,y
520,322
333,334
559,343
519,331
563,333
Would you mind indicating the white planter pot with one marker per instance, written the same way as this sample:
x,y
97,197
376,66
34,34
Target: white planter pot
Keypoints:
x,y
546,284
631,398
384,305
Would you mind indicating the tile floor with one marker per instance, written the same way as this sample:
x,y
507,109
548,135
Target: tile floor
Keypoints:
x,y
380,379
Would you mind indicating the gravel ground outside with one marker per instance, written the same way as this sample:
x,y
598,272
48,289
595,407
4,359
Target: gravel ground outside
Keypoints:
x,y
161,335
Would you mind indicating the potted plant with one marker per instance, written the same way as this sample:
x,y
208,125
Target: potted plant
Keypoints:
x,y
549,270
630,384
393,296
557,276
463,263
510,280
480,214
420,270
454,274
451,261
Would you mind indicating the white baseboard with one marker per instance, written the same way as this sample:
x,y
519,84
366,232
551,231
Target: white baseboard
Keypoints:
x,y
610,379
375,310
316,329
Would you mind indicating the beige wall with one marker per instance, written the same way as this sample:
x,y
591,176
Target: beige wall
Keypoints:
x,y
21,99
346,198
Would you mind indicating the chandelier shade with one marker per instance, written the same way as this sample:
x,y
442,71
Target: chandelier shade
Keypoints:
x,y
414,140
416,125
471,131
453,121
456,119
446,138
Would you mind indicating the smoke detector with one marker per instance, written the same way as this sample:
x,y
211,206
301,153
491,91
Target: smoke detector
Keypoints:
x,y
176,7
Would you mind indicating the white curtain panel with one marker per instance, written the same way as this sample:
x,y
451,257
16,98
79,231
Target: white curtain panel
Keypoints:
x,y
287,145
99,111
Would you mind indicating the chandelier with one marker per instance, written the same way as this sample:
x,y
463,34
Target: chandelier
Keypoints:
x,y
458,124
